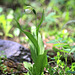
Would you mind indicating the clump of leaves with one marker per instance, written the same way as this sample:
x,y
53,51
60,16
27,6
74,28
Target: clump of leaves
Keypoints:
x,y
5,23
37,48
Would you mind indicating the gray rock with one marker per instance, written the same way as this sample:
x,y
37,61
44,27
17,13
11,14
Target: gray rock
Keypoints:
x,y
14,51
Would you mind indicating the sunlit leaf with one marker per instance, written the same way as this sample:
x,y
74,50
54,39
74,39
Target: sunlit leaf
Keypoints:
x,y
58,45
27,65
16,31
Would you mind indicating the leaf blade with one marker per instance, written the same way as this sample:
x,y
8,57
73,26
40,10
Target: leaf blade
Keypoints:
x,y
40,23
30,36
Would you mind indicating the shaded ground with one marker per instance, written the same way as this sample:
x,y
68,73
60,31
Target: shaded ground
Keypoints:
x,y
13,61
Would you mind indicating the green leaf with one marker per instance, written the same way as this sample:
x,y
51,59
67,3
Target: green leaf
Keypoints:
x,y
72,72
8,28
40,63
33,31
16,31
58,45
33,52
68,50
32,47
42,18
72,50
30,36
10,35
67,16
41,44
50,17
52,41
27,65
65,50
73,39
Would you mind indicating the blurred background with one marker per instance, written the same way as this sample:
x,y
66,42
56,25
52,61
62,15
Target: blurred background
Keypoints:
x,y
59,19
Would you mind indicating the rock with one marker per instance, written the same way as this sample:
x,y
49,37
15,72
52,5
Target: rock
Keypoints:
x,y
14,51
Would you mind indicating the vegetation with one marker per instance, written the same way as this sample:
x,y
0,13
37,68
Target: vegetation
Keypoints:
x,y
52,23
